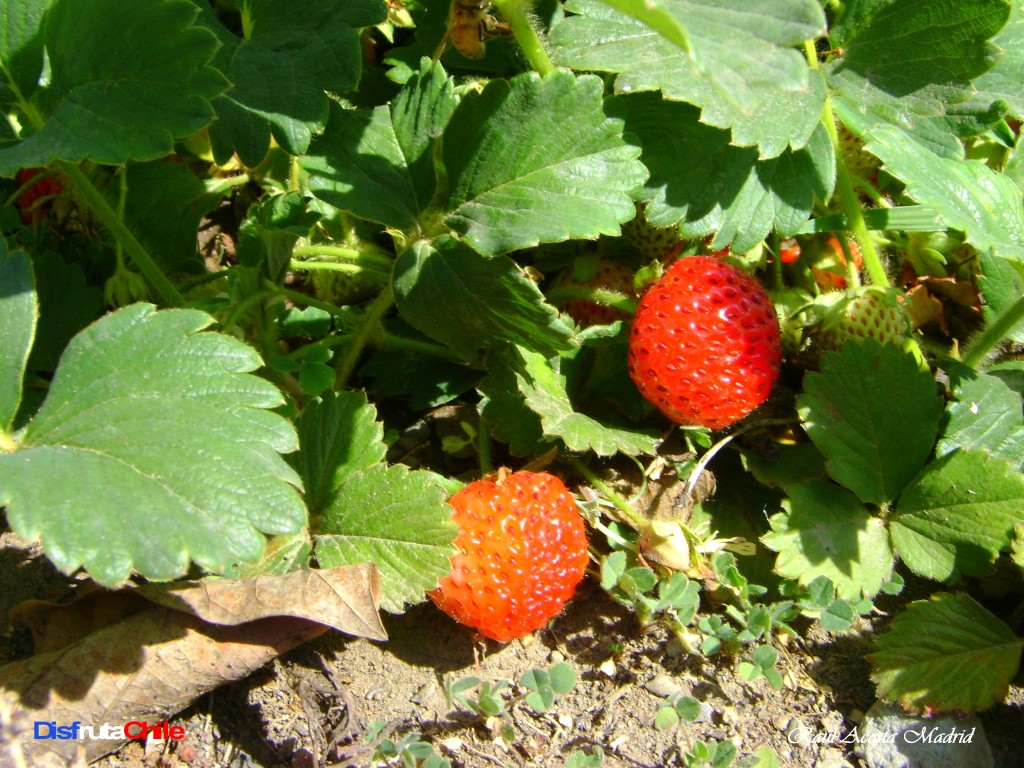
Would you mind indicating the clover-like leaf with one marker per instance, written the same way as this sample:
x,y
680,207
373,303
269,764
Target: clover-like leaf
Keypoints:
x,y
162,434
957,515
534,160
127,80
828,532
281,67
396,518
966,194
378,163
946,654
703,184
909,63
18,315
472,303
873,414
750,80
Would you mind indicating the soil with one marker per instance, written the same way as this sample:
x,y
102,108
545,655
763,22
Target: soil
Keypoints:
x,y
312,706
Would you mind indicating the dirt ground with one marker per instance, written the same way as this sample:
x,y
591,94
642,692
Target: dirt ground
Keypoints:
x,y
312,706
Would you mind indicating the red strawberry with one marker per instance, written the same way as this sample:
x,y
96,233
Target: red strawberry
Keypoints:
x,y
609,275
705,346
522,551
35,199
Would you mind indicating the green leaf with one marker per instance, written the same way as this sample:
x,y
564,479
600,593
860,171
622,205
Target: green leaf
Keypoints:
x,y
471,303
702,183
946,654
164,438
544,391
270,231
18,315
504,407
751,80
67,304
423,381
127,80
967,195
379,163
656,16
533,160
957,515
563,677
908,62
163,208
826,531
396,518
1001,285
338,436
1004,79
21,46
874,415
986,414
280,70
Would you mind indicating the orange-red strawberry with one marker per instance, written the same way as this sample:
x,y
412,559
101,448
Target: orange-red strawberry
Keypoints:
x,y
705,346
35,199
522,551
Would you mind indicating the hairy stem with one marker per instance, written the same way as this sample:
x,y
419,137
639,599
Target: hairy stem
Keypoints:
x,y
516,13
993,333
845,189
108,217
370,325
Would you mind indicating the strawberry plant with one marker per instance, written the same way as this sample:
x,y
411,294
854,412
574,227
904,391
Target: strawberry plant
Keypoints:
x,y
282,283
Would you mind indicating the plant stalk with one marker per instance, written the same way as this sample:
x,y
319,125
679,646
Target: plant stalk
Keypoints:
x,y
108,218
993,333
847,194
371,322
516,13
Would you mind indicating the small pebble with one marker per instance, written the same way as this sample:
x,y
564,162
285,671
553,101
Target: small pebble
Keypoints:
x,y
556,657
889,738
663,686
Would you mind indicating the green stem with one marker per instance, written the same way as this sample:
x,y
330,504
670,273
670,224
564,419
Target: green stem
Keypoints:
x,y
347,315
604,296
483,447
108,217
516,13
847,194
631,516
993,333
371,322
422,347
342,253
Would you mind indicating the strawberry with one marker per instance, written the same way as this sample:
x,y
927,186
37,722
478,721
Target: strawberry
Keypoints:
x,y
870,312
653,243
522,551
705,345
605,274
36,198
858,162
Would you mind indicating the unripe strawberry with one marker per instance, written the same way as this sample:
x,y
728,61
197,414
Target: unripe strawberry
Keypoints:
x,y
870,312
609,275
654,243
522,551
858,162
705,346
